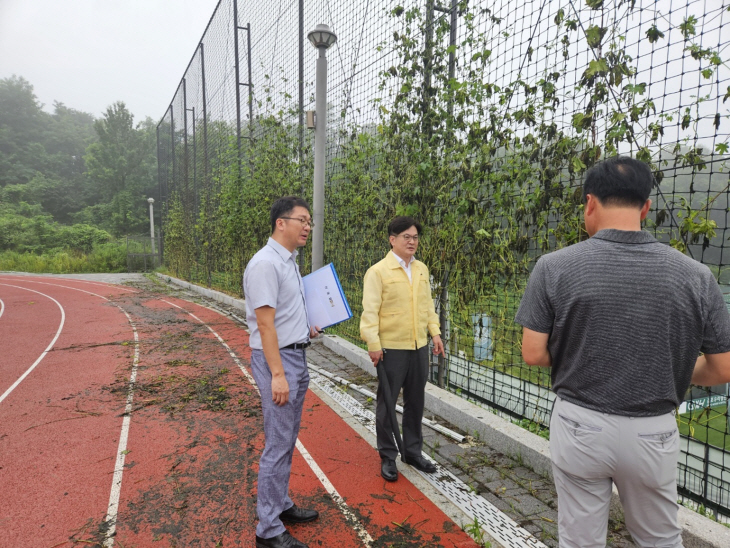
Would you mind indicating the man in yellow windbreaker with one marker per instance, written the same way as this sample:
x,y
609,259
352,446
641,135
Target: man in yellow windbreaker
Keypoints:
x,y
398,315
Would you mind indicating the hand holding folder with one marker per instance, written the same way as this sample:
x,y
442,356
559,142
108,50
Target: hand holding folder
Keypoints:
x,y
326,302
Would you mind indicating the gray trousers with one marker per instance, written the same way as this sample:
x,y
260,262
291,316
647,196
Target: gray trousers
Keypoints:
x,y
406,369
590,451
281,428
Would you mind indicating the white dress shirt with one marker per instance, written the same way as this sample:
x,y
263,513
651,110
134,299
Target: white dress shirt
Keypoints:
x,y
407,268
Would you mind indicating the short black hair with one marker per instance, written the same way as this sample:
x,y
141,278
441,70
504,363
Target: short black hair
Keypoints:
x,y
619,181
401,224
283,208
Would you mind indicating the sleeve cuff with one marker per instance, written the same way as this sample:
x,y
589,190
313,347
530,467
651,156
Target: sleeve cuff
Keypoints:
x,y
374,346
434,330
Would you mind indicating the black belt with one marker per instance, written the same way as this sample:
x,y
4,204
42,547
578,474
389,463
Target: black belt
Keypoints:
x,y
296,346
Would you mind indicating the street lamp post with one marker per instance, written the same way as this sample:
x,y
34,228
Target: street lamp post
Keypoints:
x,y
321,38
152,223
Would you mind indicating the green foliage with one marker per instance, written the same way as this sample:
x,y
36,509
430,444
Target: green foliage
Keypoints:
x,y
535,428
490,161
108,257
122,168
68,181
25,228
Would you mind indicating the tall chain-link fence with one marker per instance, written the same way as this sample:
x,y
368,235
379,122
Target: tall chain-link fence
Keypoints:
x,y
480,119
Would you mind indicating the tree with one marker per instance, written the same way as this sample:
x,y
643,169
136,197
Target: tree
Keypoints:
x,y
21,123
121,171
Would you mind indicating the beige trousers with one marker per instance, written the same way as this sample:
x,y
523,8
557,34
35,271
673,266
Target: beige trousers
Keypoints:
x,y
590,451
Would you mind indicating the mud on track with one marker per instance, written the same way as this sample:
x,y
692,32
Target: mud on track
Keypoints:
x,y
195,438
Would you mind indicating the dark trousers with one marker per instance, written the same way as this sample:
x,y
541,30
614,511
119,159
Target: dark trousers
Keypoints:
x,y
406,369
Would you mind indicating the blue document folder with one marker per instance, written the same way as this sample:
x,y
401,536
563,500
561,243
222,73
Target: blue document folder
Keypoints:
x,y
326,302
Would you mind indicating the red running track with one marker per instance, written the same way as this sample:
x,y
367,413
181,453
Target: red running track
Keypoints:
x,y
194,432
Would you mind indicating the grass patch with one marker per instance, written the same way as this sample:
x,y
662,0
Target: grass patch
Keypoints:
x,y
706,425
108,257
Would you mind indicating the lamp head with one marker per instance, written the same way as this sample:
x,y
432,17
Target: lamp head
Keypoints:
x,y
322,36
151,200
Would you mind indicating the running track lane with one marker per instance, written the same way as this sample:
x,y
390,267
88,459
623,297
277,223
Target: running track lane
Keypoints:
x,y
190,473
393,513
58,427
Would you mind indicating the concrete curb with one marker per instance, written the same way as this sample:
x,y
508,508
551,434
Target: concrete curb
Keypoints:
x,y
697,531
240,304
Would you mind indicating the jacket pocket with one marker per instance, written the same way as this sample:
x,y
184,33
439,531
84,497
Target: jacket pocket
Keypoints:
x,y
392,322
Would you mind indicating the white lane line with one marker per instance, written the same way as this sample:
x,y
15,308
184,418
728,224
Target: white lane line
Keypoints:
x,y
350,516
495,523
113,506
362,533
103,284
2,308
48,348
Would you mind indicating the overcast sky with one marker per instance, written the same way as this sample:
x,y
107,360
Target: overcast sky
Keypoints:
x,y
89,53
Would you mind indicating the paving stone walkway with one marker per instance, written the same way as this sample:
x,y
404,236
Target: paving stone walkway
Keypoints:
x,y
526,497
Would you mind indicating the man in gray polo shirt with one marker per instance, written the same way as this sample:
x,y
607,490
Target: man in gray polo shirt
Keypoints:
x,y
621,319
277,318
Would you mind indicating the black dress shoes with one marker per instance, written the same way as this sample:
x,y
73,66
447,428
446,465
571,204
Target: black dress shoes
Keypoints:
x,y
284,540
298,515
421,464
388,470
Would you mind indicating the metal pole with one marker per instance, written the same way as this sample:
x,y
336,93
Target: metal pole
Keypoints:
x,y
172,150
185,135
427,70
452,42
159,184
205,116
196,200
250,86
300,257
238,82
152,224
320,149
444,298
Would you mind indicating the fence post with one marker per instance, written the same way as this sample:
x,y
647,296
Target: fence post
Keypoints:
x,y
238,83
186,166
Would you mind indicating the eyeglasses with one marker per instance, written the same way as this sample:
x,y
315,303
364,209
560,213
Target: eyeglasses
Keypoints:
x,y
409,238
305,222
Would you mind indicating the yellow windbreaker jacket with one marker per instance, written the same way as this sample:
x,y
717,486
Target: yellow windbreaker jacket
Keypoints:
x,y
396,313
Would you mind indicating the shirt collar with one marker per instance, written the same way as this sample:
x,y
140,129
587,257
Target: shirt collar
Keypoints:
x,y
283,252
625,236
402,262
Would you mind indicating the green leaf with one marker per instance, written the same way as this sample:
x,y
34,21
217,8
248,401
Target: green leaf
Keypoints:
x,y
594,4
707,73
643,155
687,28
578,164
722,148
596,68
654,34
686,121
594,35
637,88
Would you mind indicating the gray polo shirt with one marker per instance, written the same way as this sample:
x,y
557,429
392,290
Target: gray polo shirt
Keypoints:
x,y
627,318
272,279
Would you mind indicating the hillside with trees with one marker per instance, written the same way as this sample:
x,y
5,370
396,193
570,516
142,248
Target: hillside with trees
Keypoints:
x,y
70,184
